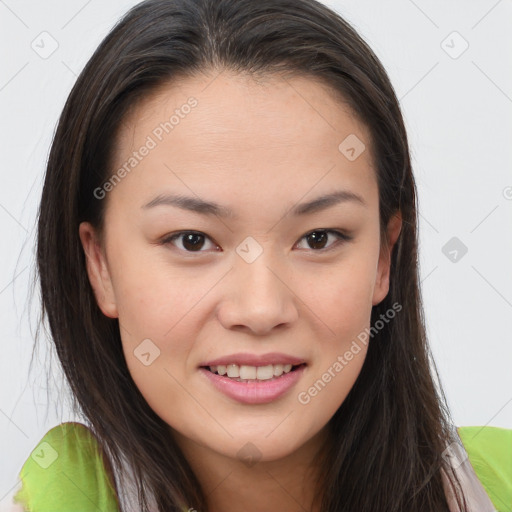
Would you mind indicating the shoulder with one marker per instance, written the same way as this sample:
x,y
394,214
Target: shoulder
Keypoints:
x,y
489,450
67,470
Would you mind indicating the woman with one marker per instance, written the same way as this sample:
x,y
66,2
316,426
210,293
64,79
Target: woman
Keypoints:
x,y
227,249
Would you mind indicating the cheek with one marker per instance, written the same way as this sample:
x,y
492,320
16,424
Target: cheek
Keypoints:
x,y
160,311
338,358
156,347
348,312
351,308
344,304
152,295
342,297
330,383
158,319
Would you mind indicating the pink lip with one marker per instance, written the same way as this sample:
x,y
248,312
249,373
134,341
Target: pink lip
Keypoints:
x,y
254,392
255,360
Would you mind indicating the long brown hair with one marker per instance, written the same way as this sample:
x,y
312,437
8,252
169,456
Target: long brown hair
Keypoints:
x,y
388,437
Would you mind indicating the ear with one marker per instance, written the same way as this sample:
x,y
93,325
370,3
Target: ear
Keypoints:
x,y
384,265
97,270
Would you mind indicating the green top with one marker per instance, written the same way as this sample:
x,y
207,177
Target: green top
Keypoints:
x,y
67,471
490,453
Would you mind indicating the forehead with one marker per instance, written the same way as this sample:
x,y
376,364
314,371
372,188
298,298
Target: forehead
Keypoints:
x,y
221,132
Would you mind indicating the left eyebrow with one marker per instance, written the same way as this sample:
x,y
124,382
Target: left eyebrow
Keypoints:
x,y
327,201
211,208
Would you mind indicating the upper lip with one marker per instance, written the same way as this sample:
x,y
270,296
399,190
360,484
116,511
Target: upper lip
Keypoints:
x,y
255,359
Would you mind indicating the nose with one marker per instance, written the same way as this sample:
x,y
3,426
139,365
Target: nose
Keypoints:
x,y
257,298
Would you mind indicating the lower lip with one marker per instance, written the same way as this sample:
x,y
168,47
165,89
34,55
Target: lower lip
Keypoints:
x,y
255,392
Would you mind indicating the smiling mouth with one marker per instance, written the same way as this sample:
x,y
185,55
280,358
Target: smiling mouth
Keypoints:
x,y
246,373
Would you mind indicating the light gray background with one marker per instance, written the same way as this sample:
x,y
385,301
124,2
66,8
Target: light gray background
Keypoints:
x,y
458,114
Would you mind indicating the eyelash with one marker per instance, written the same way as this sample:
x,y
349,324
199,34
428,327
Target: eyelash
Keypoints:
x,y
343,237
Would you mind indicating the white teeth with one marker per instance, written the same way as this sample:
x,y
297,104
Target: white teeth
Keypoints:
x,y
246,372
233,370
265,372
278,370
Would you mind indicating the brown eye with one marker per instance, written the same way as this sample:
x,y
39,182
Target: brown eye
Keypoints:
x,y
191,241
318,239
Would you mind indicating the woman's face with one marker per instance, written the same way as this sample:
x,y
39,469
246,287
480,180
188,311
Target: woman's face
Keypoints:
x,y
264,282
